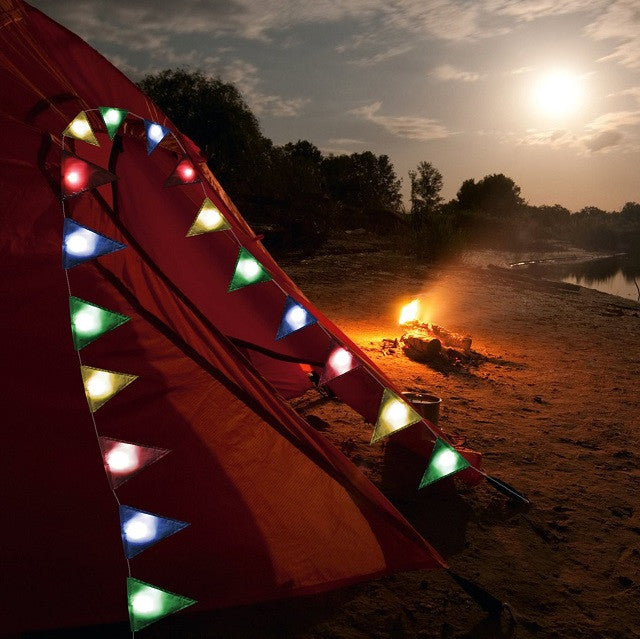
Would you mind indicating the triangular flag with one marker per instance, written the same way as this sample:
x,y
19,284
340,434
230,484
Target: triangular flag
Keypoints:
x,y
294,317
101,385
208,220
80,129
123,460
148,604
445,460
79,175
89,321
80,244
183,173
141,530
394,415
112,118
339,362
155,134
247,271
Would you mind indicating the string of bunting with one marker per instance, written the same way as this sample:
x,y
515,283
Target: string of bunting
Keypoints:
x,y
122,460
140,529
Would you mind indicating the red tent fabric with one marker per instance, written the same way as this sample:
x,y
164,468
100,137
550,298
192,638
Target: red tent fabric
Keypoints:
x,y
274,510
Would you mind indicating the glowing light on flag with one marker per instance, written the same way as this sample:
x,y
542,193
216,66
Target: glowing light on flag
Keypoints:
x,y
112,118
80,244
155,134
247,271
122,460
101,385
294,318
148,604
339,362
445,460
183,173
89,321
80,129
394,415
141,530
208,220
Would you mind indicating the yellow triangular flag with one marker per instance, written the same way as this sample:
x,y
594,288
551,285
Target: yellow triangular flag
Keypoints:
x,y
80,129
208,220
101,385
394,415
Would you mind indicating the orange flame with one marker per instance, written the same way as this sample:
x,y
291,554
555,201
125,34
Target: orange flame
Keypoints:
x,y
409,312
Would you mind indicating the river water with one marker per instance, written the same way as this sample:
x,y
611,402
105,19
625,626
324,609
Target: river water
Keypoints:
x,y
618,275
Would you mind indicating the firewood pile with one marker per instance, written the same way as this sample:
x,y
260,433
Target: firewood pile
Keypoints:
x,y
439,348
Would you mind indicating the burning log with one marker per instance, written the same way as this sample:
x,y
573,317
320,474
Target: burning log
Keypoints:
x,y
434,345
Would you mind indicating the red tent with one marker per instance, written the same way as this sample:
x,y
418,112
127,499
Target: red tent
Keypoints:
x,y
273,510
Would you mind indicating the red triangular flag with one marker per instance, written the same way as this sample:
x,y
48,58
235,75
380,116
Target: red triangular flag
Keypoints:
x,y
79,175
122,460
184,173
339,361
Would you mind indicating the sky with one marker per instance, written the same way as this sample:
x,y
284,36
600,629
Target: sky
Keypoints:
x,y
545,91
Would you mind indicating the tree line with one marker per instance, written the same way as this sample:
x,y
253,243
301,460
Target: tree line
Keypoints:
x,y
297,194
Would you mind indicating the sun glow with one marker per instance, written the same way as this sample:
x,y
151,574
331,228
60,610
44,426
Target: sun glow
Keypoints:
x,y
558,94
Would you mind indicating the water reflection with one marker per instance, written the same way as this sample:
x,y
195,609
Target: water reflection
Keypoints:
x,y
619,275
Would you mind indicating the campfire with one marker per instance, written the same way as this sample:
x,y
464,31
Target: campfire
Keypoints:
x,y
425,342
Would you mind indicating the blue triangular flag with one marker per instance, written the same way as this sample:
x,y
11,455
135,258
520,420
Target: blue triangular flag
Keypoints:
x,y
80,244
141,530
294,317
155,134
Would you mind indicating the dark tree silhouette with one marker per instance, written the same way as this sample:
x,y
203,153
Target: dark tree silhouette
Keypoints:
x,y
496,195
365,187
426,184
216,117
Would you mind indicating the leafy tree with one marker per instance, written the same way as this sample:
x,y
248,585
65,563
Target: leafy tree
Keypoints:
x,y
364,186
216,117
631,212
426,184
496,195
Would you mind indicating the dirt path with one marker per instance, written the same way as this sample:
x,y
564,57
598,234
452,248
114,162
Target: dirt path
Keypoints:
x,y
556,412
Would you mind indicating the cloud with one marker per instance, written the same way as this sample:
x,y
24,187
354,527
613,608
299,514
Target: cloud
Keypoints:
x,y
413,128
529,10
620,21
616,130
344,141
603,140
634,92
246,77
447,73
381,56
554,138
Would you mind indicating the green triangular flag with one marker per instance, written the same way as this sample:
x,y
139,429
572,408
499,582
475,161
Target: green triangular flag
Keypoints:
x,y
208,220
148,604
89,321
248,271
445,460
394,415
112,118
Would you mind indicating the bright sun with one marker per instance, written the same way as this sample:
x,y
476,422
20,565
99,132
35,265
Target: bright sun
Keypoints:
x,y
558,94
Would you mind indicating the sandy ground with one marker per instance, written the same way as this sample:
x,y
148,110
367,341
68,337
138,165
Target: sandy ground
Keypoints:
x,y
556,412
